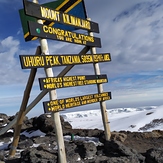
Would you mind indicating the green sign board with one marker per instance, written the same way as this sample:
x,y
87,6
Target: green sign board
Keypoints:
x,y
48,32
71,81
73,7
49,14
39,61
61,104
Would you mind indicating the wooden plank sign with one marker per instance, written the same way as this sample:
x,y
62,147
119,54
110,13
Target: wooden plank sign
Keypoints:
x,y
49,14
32,61
48,32
61,104
74,7
71,81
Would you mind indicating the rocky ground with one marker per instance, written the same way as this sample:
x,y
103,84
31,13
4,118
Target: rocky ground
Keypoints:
x,y
124,146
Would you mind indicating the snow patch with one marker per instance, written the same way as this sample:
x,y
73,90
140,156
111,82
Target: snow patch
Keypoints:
x,y
129,119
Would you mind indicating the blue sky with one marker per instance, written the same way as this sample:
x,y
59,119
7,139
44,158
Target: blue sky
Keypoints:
x,y
132,31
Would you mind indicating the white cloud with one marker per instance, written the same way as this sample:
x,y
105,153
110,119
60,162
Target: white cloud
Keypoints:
x,y
134,43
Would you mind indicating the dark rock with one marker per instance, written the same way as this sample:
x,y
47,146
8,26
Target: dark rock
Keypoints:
x,y
38,156
2,156
149,113
124,160
114,136
86,150
3,119
84,132
90,149
27,123
6,137
44,123
117,149
152,124
44,140
66,125
13,160
101,159
100,150
71,154
142,141
118,136
154,156
48,141
42,147
25,143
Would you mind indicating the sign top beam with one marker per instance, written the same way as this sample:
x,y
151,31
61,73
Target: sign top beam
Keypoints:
x,y
49,14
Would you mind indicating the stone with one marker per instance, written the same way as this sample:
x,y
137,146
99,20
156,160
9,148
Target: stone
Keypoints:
x,y
44,123
118,136
117,149
2,156
3,120
38,156
25,143
154,155
86,150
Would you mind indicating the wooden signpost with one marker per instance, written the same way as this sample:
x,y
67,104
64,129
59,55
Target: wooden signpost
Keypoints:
x,y
48,32
43,31
61,104
45,61
49,14
71,81
75,7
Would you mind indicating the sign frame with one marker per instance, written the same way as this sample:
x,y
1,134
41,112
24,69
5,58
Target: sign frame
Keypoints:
x,y
71,81
88,99
51,15
62,5
48,32
46,61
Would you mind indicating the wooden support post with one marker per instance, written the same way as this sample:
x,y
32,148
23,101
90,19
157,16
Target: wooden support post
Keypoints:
x,y
21,113
102,103
53,96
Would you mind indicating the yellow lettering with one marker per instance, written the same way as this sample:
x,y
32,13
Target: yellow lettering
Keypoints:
x,y
68,39
77,41
70,59
66,19
50,14
48,59
102,81
33,61
68,84
50,86
56,108
106,57
55,102
87,58
71,20
98,58
45,29
67,78
106,98
81,77
90,82
56,60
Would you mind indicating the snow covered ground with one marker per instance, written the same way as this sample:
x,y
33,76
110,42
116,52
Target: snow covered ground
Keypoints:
x,y
129,119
